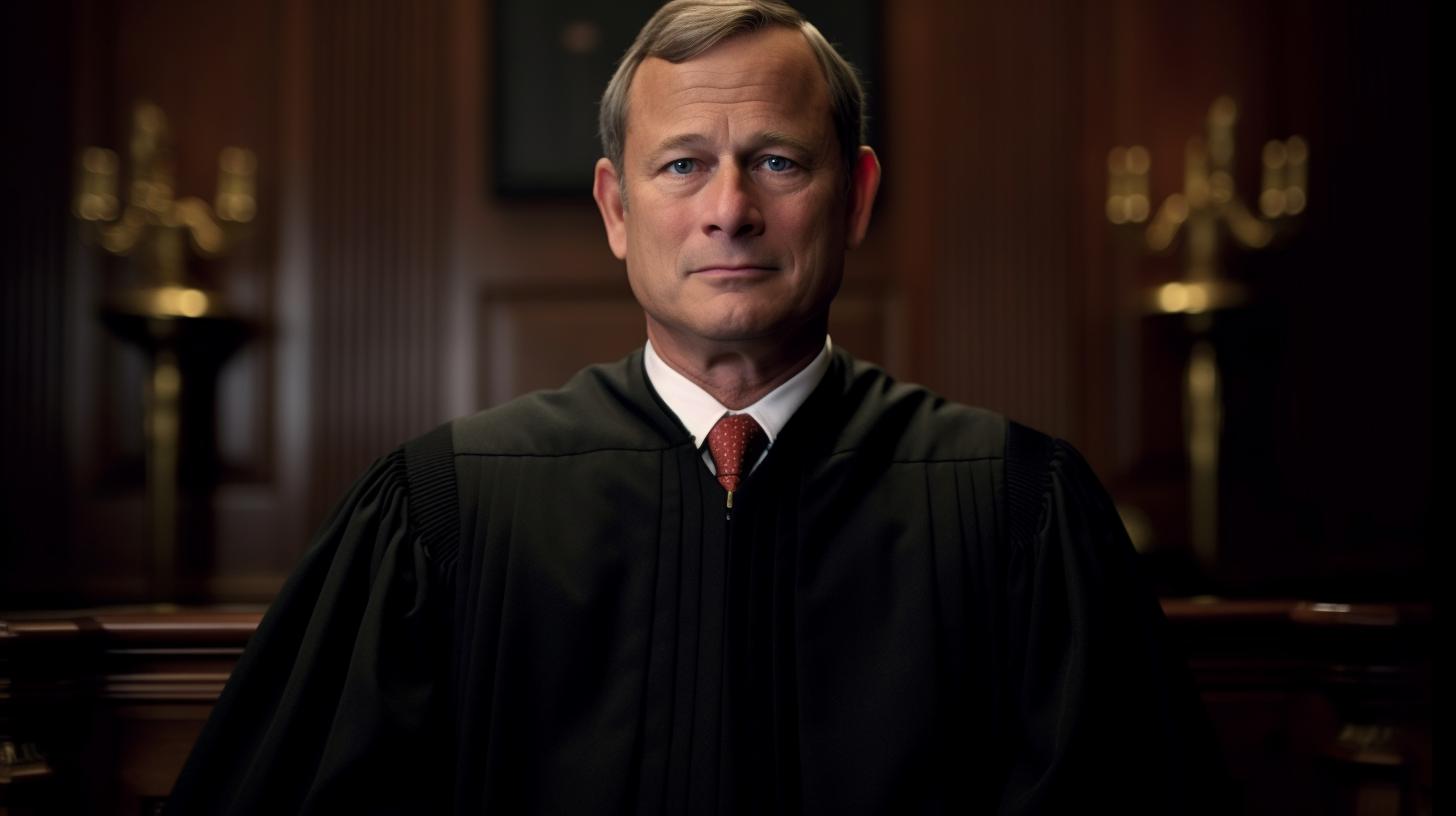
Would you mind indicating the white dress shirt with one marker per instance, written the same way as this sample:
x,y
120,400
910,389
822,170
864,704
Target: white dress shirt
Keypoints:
x,y
698,411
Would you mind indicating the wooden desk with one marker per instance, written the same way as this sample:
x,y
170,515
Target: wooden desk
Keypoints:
x,y
1321,709
99,708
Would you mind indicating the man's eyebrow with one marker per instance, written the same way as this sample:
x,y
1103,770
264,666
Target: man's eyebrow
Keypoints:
x,y
769,138
774,138
678,142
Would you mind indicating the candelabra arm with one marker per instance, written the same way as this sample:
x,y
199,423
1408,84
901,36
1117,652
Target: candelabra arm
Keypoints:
x,y
123,235
1246,228
1166,223
206,234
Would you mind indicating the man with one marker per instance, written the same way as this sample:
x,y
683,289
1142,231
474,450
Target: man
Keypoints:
x,y
736,572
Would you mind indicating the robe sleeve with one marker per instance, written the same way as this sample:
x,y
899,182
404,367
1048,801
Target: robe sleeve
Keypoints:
x,y
332,707
1106,710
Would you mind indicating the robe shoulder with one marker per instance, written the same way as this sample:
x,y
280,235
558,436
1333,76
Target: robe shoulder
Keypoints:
x,y
914,423
910,423
1107,710
337,686
602,408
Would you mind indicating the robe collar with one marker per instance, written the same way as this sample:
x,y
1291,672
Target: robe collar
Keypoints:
x,y
698,411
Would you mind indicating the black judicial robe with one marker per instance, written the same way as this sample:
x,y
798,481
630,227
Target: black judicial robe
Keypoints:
x,y
914,607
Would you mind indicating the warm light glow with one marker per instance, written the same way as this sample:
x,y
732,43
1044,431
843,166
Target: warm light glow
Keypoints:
x,y
1137,208
1116,161
1275,154
150,118
1271,203
1187,298
180,301
1127,184
1173,297
1221,117
1197,299
98,160
1117,209
1294,201
1220,186
1201,379
96,194
1223,112
167,381
1298,150
191,303
235,202
1138,161
238,162
1176,206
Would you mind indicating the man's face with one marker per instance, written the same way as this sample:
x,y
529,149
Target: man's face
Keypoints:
x,y
735,219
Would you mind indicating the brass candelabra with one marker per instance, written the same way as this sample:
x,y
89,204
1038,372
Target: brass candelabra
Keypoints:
x,y
178,325
1205,212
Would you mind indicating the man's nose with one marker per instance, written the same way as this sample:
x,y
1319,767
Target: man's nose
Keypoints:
x,y
733,210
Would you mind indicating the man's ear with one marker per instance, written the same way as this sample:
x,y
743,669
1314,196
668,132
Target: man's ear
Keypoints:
x,y
864,185
607,190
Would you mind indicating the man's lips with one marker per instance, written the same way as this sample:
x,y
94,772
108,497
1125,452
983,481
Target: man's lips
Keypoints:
x,y
733,270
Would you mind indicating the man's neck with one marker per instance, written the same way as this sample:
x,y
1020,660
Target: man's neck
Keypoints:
x,y
737,374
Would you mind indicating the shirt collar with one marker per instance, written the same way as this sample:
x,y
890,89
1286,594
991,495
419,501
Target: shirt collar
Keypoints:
x,y
699,411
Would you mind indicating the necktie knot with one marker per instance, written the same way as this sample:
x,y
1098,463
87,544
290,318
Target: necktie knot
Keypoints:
x,y
735,444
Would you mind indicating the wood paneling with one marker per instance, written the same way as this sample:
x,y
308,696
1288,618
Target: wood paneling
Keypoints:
x,y
343,277
1340,313
538,337
1018,295
34,287
377,191
391,288
1006,310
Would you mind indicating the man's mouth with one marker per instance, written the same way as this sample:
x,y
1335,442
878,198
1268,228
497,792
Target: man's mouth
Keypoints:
x,y
733,270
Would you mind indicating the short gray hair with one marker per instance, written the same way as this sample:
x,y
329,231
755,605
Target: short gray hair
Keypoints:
x,y
683,29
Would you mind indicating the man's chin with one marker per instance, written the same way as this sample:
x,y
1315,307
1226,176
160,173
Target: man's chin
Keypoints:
x,y
742,324
778,331
729,331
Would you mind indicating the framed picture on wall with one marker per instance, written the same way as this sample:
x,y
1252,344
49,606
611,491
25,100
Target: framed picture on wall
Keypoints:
x,y
553,59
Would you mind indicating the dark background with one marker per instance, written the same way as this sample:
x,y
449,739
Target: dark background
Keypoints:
x,y
406,267
391,285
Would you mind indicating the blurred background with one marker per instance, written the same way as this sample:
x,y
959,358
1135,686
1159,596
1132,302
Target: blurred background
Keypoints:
x,y
394,227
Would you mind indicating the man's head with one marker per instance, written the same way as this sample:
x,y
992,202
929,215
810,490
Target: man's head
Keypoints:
x,y
683,29
734,180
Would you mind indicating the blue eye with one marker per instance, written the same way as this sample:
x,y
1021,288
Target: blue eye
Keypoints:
x,y
778,164
681,167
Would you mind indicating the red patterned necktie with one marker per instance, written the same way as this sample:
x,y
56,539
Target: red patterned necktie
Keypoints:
x,y
735,444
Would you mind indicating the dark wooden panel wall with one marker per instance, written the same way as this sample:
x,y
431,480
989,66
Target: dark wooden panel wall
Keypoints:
x,y
1334,354
984,201
378,198
390,288
344,278
34,292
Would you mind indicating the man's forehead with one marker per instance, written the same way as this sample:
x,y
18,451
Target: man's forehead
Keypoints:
x,y
772,69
